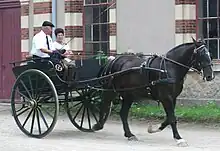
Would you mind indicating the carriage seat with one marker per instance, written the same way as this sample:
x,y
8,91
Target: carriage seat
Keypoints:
x,y
65,67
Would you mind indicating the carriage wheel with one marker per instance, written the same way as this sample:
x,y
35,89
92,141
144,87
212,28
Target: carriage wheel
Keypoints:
x,y
84,111
34,103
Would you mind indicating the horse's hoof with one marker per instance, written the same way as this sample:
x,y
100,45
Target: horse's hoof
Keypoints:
x,y
182,143
153,130
97,127
133,138
150,129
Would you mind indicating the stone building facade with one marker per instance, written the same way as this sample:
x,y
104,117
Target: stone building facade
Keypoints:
x,y
173,23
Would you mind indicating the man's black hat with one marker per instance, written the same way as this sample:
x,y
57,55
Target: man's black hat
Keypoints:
x,y
47,23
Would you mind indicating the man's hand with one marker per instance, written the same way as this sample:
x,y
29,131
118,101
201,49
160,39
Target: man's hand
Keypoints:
x,y
46,51
62,51
57,54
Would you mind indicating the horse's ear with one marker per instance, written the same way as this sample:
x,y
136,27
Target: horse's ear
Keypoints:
x,y
194,41
203,41
211,55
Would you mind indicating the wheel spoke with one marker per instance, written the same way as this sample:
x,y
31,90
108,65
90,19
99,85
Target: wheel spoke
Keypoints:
x,y
46,111
21,108
97,109
23,95
32,123
81,94
75,99
84,109
78,112
38,121
75,105
31,86
27,118
45,98
46,103
95,98
42,116
26,89
36,87
88,116
22,112
39,90
94,116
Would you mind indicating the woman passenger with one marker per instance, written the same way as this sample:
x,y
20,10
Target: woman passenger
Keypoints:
x,y
59,43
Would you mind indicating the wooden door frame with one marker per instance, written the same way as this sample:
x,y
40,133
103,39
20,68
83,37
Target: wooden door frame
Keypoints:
x,y
12,7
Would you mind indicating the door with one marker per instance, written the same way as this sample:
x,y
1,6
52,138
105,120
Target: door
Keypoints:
x,y
10,48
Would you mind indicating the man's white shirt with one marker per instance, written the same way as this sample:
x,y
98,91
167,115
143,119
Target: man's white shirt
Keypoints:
x,y
39,41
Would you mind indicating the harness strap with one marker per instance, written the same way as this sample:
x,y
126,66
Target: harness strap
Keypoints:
x,y
180,64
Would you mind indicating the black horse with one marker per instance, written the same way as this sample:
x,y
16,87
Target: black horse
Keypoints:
x,y
162,86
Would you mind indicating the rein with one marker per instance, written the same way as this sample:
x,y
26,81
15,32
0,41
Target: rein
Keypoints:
x,y
180,64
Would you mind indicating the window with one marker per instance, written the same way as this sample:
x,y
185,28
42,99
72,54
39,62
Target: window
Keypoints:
x,y
96,19
209,23
88,2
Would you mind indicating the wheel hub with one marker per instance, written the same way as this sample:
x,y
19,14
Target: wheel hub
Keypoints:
x,y
86,101
32,103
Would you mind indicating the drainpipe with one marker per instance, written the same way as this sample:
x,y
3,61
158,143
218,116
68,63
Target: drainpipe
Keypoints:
x,y
31,23
54,16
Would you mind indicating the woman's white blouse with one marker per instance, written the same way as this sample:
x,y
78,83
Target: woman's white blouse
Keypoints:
x,y
57,45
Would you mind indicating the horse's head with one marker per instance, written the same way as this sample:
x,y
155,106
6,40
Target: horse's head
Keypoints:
x,y
202,60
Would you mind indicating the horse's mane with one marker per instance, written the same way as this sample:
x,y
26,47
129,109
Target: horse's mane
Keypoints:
x,y
180,46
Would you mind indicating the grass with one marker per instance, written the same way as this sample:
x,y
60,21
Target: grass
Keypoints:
x,y
208,113
200,113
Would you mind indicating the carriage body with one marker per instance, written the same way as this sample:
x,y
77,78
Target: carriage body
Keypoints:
x,y
84,69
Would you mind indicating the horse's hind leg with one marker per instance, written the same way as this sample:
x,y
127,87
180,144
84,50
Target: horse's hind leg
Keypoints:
x,y
126,105
107,98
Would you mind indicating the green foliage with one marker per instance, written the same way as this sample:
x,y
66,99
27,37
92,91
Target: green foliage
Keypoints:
x,y
197,113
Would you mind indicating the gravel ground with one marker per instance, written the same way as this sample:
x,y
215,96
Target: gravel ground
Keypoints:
x,y
68,138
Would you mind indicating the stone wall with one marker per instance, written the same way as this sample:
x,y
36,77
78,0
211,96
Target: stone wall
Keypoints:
x,y
195,88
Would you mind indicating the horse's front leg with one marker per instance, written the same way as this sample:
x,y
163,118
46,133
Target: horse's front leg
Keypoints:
x,y
169,107
173,122
163,125
158,128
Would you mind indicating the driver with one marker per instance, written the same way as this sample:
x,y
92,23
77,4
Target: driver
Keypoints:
x,y
42,44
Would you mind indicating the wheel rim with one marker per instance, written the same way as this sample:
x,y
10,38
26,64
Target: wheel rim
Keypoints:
x,y
83,112
34,103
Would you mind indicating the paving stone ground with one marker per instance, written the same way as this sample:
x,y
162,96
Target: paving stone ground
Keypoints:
x,y
65,137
